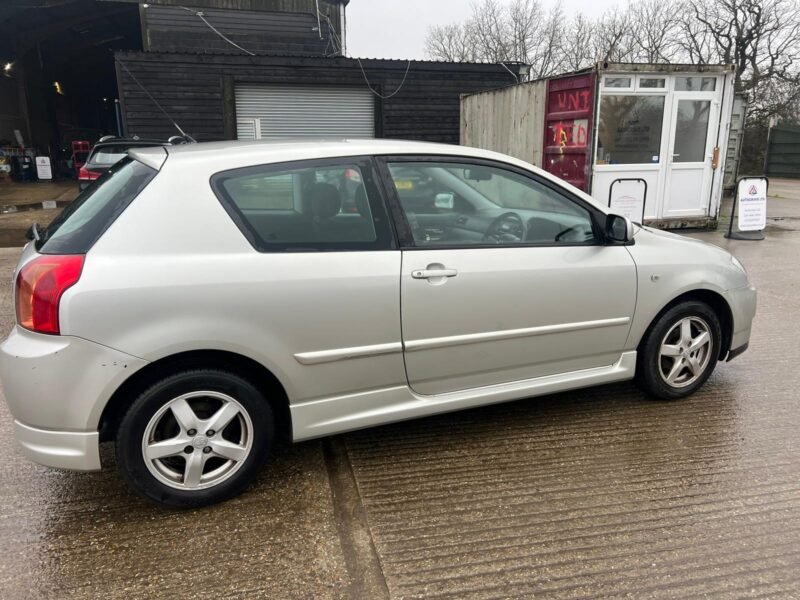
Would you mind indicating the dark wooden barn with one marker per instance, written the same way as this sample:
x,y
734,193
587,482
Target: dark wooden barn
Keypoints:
x,y
333,95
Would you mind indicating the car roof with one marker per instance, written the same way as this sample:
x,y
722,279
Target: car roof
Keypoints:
x,y
233,154
213,157
130,142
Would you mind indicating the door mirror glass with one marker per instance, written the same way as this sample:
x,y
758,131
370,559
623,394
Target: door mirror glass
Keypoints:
x,y
618,229
445,201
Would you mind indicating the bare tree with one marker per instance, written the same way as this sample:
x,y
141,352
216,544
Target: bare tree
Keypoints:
x,y
612,39
492,36
653,30
761,39
453,42
577,49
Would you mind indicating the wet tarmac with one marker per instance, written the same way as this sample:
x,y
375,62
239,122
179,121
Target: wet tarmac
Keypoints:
x,y
592,493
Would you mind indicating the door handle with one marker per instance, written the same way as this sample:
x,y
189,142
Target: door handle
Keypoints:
x,y
433,273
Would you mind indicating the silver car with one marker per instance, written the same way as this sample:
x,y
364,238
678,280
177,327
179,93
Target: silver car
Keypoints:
x,y
199,300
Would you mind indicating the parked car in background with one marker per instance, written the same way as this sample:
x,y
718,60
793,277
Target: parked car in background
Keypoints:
x,y
200,299
107,151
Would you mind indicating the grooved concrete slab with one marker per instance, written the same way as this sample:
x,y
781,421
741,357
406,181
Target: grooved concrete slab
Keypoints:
x,y
601,492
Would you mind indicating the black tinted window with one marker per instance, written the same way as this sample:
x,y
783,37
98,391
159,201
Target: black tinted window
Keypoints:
x,y
315,205
82,223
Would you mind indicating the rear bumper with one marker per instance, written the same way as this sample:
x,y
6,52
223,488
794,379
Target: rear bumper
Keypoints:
x,y
77,451
56,388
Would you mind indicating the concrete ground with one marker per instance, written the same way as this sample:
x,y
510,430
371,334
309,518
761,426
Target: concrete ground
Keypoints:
x,y
592,493
22,204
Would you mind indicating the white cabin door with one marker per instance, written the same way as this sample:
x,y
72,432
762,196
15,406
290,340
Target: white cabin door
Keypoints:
x,y
694,121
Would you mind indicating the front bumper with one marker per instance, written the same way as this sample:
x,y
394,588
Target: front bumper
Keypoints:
x,y
56,388
743,306
77,451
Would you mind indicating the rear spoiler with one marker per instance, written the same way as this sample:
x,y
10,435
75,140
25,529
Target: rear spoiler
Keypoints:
x,y
152,156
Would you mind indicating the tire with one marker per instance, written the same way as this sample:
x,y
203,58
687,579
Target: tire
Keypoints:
x,y
672,363
166,453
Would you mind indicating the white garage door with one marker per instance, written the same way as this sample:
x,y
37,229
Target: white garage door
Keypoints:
x,y
286,111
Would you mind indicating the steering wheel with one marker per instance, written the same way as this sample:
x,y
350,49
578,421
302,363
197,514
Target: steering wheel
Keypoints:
x,y
507,228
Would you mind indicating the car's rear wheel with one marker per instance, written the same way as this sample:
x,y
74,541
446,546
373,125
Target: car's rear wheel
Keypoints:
x,y
680,351
194,438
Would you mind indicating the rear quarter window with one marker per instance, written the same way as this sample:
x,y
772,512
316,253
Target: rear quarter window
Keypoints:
x,y
81,224
317,205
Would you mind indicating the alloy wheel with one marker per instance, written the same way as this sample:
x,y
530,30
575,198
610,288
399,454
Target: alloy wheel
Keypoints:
x,y
197,440
685,352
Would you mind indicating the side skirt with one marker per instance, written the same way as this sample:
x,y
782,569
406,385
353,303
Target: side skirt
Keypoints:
x,y
327,416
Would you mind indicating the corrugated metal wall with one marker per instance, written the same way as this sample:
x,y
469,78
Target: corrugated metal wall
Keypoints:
x,y
783,152
508,120
304,111
198,91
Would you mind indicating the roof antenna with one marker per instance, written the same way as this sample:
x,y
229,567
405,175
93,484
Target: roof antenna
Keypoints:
x,y
149,95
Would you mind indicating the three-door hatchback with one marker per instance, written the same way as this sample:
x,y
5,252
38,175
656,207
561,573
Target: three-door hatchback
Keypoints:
x,y
199,300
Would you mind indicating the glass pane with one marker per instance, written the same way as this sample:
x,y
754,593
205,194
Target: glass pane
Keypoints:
x,y
617,82
630,130
695,84
652,82
304,207
82,223
691,130
453,204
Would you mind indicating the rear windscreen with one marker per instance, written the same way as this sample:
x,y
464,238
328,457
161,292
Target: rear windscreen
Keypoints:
x,y
108,155
82,223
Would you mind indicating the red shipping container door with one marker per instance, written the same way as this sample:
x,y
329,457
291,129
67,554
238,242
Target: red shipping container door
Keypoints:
x,y
568,128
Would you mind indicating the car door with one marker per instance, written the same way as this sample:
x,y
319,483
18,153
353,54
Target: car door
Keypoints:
x,y
519,284
322,293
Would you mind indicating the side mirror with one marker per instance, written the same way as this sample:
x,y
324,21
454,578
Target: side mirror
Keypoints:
x,y
618,229
445,201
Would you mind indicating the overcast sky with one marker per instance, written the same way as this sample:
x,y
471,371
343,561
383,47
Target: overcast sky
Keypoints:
x,y
397,28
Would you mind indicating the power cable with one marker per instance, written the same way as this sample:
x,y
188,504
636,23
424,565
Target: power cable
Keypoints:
x,y
338,41
149,95
199,14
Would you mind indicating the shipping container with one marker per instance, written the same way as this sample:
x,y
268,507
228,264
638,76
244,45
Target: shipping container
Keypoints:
x,y
649,140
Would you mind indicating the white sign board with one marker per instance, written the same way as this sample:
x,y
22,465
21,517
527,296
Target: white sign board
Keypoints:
x,y
43,170
627,199
752,195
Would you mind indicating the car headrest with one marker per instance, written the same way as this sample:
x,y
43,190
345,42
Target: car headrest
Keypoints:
x,y
324,200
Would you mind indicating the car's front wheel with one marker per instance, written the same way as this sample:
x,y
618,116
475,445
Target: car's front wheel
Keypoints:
x,y
194,438
680,351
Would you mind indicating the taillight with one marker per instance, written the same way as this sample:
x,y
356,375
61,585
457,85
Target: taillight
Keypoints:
x,y
40,284
87,175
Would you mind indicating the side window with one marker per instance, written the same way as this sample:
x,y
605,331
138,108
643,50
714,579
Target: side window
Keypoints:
x,y
455,204
301,207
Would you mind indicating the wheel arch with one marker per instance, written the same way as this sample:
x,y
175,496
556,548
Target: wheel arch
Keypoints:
x,y
718,304
232,362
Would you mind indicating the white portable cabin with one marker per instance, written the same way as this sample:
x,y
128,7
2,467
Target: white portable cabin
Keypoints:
x,y
643,138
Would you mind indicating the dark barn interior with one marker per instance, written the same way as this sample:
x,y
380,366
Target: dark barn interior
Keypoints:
x,y
58,82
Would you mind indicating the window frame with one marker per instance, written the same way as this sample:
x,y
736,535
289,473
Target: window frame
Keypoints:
x,y
385,237
403,228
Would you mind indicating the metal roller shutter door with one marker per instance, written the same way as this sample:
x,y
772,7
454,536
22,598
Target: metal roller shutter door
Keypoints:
x,y
287,111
